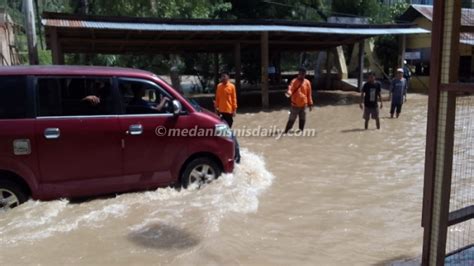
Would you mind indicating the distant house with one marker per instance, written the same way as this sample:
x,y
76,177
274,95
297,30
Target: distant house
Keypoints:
x,y
8,51
419,2
418,46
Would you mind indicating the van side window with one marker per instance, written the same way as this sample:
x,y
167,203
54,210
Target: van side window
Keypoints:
x,y
143,97
74,96
13,100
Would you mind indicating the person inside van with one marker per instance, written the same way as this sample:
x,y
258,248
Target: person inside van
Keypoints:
x,y
98,99
137,101
99,92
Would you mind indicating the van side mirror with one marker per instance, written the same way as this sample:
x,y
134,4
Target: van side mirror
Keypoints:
x,y
177,107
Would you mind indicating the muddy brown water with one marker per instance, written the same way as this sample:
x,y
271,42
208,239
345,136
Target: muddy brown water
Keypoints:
x,y
343,197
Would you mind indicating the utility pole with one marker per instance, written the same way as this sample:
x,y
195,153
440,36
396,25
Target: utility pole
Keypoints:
x,y
31,31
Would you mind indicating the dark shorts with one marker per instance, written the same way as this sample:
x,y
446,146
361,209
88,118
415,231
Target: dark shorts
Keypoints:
x,y
371,112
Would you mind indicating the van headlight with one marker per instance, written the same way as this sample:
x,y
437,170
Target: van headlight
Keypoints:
x,y
223,130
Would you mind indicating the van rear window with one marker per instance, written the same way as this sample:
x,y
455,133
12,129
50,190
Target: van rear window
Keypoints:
x,y
61,96
13,100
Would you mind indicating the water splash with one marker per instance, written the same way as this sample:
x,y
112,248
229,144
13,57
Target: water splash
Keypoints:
x,y
236,192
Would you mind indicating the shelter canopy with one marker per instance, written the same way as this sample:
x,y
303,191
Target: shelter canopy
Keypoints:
x,y
119,35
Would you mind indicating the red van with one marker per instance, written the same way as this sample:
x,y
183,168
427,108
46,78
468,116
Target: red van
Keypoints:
x,y
76,131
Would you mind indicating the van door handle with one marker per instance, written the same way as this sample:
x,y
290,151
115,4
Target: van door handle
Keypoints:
x,y
52,133
135,130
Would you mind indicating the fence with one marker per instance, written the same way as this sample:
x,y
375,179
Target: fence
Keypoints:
x,y
448,204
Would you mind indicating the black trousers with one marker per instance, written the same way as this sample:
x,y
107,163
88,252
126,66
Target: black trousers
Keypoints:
x,y
228,118
294,113
396,107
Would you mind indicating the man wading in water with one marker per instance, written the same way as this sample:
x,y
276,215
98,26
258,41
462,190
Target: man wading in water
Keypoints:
x,y
369,95
226,99
398,93
226,106
300,93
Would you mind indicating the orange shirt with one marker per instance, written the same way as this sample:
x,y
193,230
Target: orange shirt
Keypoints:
x,y
300,92
226,99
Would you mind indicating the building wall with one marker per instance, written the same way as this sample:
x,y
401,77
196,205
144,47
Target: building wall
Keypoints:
x,y
418,41
7,40
4,47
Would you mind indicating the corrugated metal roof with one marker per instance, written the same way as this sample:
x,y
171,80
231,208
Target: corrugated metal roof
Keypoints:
x,y
466,38
467,14
63,23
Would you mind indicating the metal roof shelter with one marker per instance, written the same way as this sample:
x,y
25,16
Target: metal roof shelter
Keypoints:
x,y
467,21
67,33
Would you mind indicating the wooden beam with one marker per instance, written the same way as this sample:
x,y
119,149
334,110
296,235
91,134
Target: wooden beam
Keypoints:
x,y
401,50
360,78
82,41
216,69
440,131
327,83
264,50
56,49
461,215
238,68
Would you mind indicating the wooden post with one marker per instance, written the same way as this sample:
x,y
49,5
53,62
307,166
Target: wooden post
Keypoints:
x,y
238,68
264,68
402,48
56,49
440,130
278,66
216,69
360,78
341,62
327,83
31,32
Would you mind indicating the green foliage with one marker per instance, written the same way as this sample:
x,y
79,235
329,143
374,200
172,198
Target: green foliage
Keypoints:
x,y
375,10
308,10
161,9
44,57
305,10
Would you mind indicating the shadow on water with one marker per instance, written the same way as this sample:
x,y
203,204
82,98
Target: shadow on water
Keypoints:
x,y
354,130
161,236
400,261
251,101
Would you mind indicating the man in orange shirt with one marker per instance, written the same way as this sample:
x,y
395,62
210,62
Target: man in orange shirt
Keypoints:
x,y
300,93
226,99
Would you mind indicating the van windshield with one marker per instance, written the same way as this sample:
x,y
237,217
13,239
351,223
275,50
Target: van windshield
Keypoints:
x,y
195,104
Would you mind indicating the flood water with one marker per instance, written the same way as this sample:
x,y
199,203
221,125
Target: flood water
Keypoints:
x,y
343,197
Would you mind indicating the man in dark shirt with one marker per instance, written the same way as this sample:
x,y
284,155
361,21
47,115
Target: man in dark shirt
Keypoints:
x,y
369,95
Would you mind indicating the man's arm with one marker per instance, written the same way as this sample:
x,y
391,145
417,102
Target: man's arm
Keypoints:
x,y
216,102
92,99
361,98
405,88
390,90
380,97
309,95
290,87
162,103
234,101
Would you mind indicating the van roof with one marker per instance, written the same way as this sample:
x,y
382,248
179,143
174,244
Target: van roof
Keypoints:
x,y
61,70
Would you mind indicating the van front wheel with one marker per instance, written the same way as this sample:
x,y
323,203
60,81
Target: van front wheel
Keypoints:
x,y
200,171
11,195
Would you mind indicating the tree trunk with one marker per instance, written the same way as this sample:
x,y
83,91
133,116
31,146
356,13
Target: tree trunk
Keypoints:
x,y
174,74
31,32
